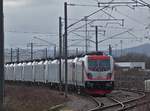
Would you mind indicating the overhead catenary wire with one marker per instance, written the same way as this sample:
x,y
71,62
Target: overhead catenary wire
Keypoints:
x,y
120,28
79,27
133,35
101,30
78,35
28,53
97,19
46,33
113,36
91,21
114,5
81,39
142,3
117,2
108,14
44,41
88,15
133,3
131,18
83,5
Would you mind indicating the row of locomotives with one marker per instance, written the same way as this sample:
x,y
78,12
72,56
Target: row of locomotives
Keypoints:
x,y
92,73
99,74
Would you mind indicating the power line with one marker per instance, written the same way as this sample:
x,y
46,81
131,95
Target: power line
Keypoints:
x,y
145,3
134,3
83,5
51,34
121,28
79,27
43,40
78,35
113,36
105,3
108,14
142,3
133,35
114,19
98,5
88,16
92,20
1,56
133,19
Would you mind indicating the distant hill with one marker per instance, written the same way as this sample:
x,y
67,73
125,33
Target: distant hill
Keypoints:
x,y
141,49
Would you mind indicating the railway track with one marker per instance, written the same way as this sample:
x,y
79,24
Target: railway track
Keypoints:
x,y
113,103
117,101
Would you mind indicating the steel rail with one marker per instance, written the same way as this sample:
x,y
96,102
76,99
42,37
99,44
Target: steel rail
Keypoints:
x,y
99,107
117,101
132,100
97,102
135,105
121,104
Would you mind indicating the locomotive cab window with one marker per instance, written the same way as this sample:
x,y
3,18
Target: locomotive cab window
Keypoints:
x,y
99,65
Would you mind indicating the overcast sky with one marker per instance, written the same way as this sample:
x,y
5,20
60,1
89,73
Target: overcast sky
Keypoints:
x,y
27,18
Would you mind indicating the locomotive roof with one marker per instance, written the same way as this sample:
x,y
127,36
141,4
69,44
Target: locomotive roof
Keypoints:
x,y
56,58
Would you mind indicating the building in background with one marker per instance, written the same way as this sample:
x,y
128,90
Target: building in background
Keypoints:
x,y
130,65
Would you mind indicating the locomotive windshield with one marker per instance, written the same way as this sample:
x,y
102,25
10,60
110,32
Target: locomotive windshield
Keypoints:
x,y
99,65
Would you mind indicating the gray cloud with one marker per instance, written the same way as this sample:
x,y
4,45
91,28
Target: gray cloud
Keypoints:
x,y
42,16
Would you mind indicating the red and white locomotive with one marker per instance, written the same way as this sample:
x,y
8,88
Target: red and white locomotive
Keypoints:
x,y
99,76
92,72
97,73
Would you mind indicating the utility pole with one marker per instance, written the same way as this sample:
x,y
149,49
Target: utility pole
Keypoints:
x,y
11,55
110,50
63,47
18,55
121,46
86,47
31,51
66,53
54,51
54,45
96,38
77,51
116,49
1,56
46,53
60,50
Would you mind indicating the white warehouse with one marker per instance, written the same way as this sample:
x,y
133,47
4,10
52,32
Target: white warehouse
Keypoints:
x,y
131,65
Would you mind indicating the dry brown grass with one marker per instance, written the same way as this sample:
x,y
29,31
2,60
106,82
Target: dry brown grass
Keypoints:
x,y
130,79
133,79
23,98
